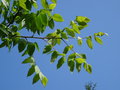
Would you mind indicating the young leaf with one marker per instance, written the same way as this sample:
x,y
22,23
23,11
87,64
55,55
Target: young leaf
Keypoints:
x,y
36,78
98,40
67,48
44,81
75,27
89,43
52,6
60,62
64,35
54,56
21,44
31,71
70,32
22,4
58,18
28,60
44,4
79,40
89,69
31,48
47,48
80,60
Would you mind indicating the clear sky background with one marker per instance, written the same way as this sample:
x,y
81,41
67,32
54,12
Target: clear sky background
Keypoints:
x,y
105,17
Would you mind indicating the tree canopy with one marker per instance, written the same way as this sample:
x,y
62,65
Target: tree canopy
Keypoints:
x,y
18,15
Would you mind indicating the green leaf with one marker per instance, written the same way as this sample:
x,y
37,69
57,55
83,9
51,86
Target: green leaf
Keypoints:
x,y
89,42
75,27
64,35
36,46
58,18
52,6
51,23
44,81
47,48
44,19
54,1
3,44
78,67
34,4
44,4
67,48
60,62
71,64
87,67
81,55
22,4
98,40
31,71
72,56
21,45
82,19
54,56
36,78
79,40
28,60
30,48
99,34
80,60
70,32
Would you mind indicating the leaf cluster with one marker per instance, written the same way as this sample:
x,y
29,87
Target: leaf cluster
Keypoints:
x,y
17,15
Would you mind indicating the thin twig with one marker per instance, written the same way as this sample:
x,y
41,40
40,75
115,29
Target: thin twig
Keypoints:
x,y
67,44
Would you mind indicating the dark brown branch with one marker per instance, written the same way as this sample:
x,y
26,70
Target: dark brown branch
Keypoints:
x,y
39,37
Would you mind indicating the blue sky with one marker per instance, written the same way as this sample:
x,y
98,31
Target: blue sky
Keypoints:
x,y
105,16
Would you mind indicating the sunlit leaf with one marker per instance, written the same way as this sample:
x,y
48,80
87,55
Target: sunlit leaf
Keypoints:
x,y
80,60
67,48
89,42
58,18
44,3
98,40
44,81
79,40
64,35
28,60
52,6
70,32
